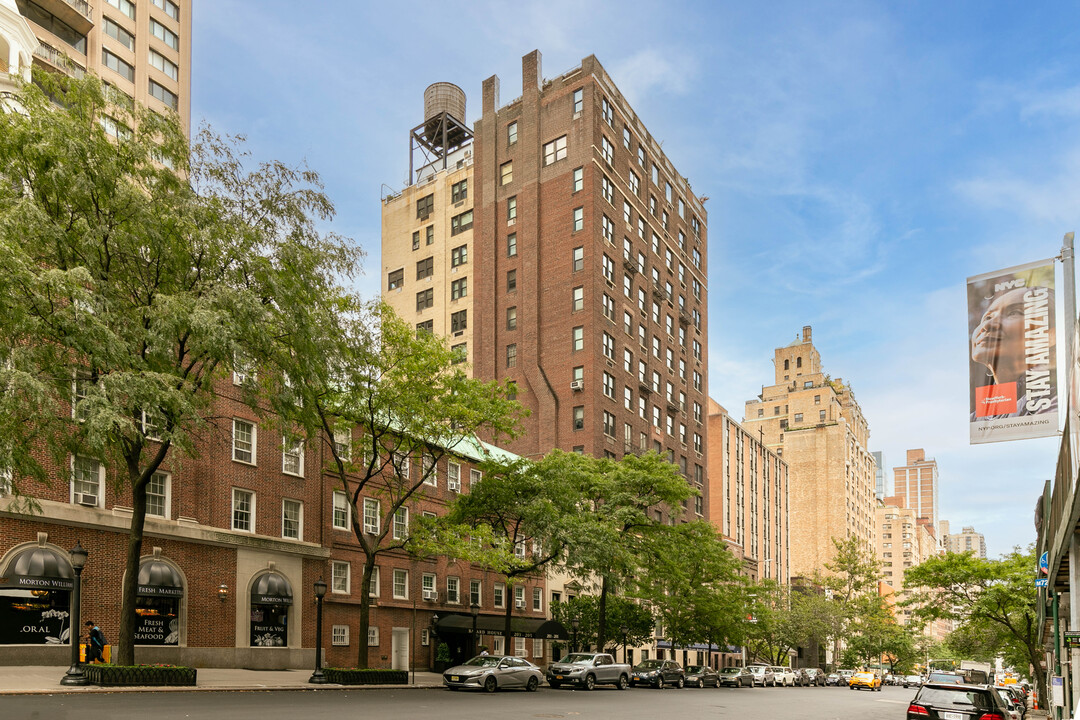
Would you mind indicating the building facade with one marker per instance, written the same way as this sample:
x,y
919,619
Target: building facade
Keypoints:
x,y
905,540
882,484
814,422
917,483
967,540
748,497
17,45
142,49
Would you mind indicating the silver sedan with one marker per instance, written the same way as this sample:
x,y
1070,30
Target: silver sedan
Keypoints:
x,y
492,672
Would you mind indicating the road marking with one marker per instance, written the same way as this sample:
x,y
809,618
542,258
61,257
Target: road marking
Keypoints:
x,y
898,702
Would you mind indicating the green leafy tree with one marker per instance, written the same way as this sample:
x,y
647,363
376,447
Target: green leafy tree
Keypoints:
x,y
621,612
136,272
852,574
992,600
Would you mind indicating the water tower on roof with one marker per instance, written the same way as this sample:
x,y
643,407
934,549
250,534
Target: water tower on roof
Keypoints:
x,y
443,130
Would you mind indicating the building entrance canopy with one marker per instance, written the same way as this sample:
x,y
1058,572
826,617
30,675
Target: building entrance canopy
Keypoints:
x,y
159,579
539,628
38,568
271,589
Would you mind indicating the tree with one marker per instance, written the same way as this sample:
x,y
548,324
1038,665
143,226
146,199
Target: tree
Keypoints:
x,y
987,598
389,404
853,573
135,274
621,612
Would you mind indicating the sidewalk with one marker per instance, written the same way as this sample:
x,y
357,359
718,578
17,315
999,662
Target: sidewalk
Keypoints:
x,y
38,680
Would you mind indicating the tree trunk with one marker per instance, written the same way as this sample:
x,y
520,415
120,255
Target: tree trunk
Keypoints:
x,y
365,612
601,613
125,645
509,616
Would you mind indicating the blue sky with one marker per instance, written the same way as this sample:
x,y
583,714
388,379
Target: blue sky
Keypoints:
x,y
861,160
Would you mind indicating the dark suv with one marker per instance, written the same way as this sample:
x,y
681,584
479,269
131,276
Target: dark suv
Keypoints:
x,y
941,701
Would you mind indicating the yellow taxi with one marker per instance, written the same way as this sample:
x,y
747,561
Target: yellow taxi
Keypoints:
x,y
865,679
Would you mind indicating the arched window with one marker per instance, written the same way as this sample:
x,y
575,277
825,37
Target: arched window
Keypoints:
x,y
787,364
798,362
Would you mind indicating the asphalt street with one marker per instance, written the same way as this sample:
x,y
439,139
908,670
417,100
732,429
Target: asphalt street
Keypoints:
x,y
438,704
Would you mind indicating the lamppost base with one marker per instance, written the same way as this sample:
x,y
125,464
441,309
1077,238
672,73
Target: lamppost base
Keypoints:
x,y
75,676
317,678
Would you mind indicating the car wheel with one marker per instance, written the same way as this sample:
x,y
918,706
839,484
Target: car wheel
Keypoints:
x,y
531,685
717,683
679,684
590,682
660,683
491,684
623,682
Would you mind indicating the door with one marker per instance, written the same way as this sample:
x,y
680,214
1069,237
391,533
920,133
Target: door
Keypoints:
x,y
399,649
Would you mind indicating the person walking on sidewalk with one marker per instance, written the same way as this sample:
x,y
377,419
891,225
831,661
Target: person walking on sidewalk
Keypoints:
x,y
95,645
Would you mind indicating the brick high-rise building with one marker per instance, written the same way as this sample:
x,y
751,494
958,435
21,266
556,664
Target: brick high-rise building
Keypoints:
x,y
814,422
905,540
917,484
142,49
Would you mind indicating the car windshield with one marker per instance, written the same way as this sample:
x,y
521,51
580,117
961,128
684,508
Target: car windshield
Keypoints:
x,y
757,669
731,671
578,658
945,678
960,697
484,661
695,669
651,663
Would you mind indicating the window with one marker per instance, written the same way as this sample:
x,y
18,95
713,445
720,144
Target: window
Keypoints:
x,y
401,524
608,307
395,279
579,417
475,476
453,476
578,179
459,288
157,495
372,519
372,636
608,229
607,150
499,595
125,6
511,355
628,398
579,100
511,133
511,318
339,577
511,280
459,191
511,245
555,150
243,510
519,601
578,338
453,590
461,223
538,601
459,256
474,592
342,511
429,235
609,347
821,415
641,156
609,424
607,111
401,584
607,189
114,128
117,65
459,321
577,299
578,259
506,173
511,210
429,470
87,481
416,240
170,8
166,96
164,34
609,385
635,183
578,373
244,433
425,299
292,456
121,35
579,219
428,326
798,417
339,635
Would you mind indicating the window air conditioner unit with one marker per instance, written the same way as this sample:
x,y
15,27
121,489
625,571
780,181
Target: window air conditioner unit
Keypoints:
x,y
519,604
431,595
86,499
577,384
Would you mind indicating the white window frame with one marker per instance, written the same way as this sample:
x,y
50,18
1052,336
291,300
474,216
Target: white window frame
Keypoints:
x,y
343,499
519,648
425,636
475,476
429,464
399,572
429,583
402,513
167,495
6,481
343,443
100,491
254,443
455,597
374,582
340,570
373,636
251,511
297,452
453,476
538,648
299,519
538,600
498,591
242,372
372,523
497,645
339,635
479,587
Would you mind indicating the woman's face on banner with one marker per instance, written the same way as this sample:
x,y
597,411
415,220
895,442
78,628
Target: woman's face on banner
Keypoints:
x,y
998,340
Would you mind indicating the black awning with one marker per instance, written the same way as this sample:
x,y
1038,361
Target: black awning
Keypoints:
x,y
39,568
159,579
271,589
539,628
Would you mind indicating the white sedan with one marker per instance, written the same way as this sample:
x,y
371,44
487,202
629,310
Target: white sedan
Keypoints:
x,y
783,676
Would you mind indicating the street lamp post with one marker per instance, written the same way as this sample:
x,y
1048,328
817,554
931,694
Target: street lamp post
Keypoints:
x,y
623,629
75,674
475,638
317,677
575,623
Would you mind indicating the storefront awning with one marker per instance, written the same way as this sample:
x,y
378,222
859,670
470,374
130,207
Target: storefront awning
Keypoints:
x,y
38,568
159,579
539,628
271,589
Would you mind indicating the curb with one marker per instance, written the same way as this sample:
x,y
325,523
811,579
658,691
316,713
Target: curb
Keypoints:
x,y
212,688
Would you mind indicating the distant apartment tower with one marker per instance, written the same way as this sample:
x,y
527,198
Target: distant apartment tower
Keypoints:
x,y
905,540
142,49
917,484
967,540
814,422
748,489
882,486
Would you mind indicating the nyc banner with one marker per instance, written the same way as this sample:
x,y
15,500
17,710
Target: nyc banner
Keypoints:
x,y
1013,388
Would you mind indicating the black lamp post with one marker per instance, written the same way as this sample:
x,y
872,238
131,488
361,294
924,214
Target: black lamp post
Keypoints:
x,y
575,623
623,629
475,637
317,677
75,675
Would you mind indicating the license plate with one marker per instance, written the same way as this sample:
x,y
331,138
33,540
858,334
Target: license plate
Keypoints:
x,y
953,716
558,677
454,678
636,678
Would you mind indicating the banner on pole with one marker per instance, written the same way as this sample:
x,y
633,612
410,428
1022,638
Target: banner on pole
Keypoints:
x,y
1013,388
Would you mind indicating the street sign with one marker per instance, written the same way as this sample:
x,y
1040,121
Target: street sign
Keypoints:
x,y
1042,582
1044,564
1072,639
1057,691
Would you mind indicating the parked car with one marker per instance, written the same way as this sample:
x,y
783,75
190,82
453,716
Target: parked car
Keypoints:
x,y
783,676
493,672
868,680
1019,698
763,675
945,677
587,670
702,676
944,701
834,679
658,673
1010,703
912,680
736,677
846,675
816,676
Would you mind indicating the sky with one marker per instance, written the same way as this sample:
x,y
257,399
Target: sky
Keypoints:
x,y
861,160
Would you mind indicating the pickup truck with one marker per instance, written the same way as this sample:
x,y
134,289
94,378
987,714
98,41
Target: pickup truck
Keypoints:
x,y
587,670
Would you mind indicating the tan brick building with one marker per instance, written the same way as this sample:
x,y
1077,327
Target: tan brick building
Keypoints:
x,y
905,540
917,484
967,540
748,491
814,422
